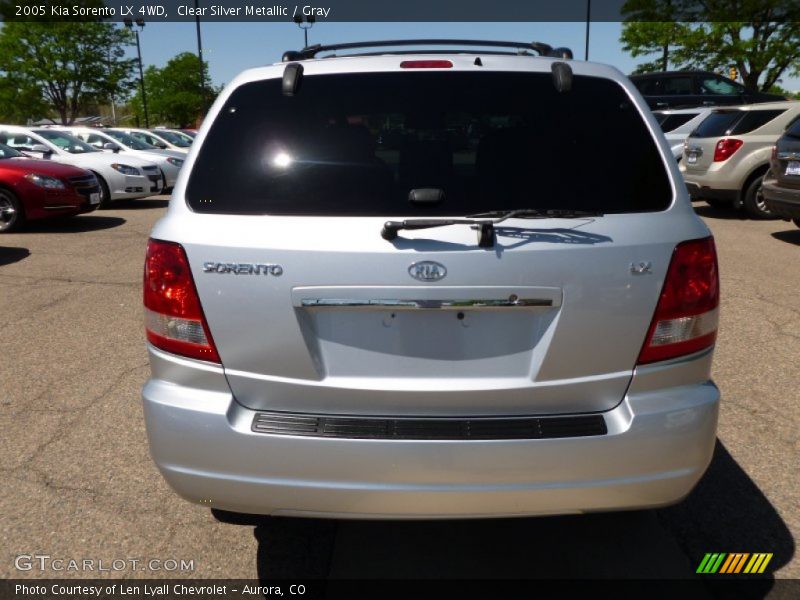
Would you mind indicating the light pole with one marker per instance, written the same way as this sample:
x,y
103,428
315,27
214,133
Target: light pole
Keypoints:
x,y
140,24
588,21
200,56
305,23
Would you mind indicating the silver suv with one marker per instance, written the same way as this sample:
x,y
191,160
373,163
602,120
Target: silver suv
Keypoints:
x,y
408,286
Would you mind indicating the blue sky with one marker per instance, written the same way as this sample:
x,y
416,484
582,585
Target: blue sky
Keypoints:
x,y
231,47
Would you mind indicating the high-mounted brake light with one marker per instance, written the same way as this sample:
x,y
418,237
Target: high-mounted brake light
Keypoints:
x,y
687,313
426,64
725,148
174,319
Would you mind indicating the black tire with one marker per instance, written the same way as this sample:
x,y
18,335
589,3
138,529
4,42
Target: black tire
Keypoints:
x,y
796,222
716,203
12,213
105,195
753,201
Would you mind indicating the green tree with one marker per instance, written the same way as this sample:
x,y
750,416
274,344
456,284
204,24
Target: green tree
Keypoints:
x,y
174,94
19,101
763,45
70,63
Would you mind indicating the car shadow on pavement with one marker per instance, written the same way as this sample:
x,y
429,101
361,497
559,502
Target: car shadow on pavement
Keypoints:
x,y
790,236
726,513
79,224
10,255
140,203
712,212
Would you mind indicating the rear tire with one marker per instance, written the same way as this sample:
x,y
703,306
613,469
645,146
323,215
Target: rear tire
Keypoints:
x,y
105,195
754,201
12,213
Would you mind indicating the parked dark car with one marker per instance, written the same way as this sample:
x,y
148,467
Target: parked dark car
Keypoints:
x,y
681,89
37,189
781,187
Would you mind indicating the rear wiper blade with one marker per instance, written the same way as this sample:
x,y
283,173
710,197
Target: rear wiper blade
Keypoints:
x,y
536,213
485,228
485,225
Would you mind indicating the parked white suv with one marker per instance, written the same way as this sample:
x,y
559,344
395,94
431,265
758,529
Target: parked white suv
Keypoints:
x,y
726,156
413,298
110,140
126,177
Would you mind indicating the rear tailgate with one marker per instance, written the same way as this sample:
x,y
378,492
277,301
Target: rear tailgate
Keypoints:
x,y
312,311
347,329
786,167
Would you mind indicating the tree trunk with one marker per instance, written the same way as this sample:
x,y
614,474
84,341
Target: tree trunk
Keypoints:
x,y
665,58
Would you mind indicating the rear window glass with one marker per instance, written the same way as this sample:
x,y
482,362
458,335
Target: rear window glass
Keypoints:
x,y
718,123
734,122
794,128
358,144
671,122
753,119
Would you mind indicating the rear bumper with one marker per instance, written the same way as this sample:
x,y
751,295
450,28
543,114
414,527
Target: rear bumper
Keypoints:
x,y
658,445
781,201
699,192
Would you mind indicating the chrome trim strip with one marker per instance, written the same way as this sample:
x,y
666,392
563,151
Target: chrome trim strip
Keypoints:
x,y
386,303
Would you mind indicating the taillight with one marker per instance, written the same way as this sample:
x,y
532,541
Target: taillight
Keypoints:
x,y
174,319
725,148
426,64
687,314
774,152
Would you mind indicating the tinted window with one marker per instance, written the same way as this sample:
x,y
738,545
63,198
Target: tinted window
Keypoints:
x,y
718,85
753,119
18,141
677,86
671,122
65,141
357,144
6,152
173,138
718,123
794,128
128,141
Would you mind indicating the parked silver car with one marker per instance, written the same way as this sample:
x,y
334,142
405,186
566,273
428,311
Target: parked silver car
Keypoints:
x,y
419,292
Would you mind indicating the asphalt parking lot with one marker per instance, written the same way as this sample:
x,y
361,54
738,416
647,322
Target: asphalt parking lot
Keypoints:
x,y
79,483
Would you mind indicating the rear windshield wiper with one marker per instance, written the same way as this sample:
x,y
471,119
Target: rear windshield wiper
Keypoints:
x,y
485,222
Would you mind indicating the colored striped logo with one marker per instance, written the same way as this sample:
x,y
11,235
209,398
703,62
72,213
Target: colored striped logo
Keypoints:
x,y
734,563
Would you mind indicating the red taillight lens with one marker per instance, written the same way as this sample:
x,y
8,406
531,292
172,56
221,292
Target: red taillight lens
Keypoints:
x,y
174,319
426,64
725,148
774,152
687,314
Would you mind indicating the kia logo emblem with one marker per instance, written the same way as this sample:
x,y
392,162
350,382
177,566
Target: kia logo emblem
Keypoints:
x,y
427,270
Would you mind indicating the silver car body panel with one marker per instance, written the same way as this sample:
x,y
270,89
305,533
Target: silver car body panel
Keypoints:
x,y
345,330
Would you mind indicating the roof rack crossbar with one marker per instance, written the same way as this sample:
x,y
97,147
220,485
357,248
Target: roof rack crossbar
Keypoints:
x,y
312,51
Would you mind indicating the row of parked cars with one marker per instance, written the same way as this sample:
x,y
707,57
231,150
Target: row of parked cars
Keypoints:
x,y
735,147
746,157
58,171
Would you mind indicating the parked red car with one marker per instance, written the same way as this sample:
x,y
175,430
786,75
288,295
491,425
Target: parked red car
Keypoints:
x,y
38,189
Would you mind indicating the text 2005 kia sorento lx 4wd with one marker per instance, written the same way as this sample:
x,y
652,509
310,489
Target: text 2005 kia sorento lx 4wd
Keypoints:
x,y
419,285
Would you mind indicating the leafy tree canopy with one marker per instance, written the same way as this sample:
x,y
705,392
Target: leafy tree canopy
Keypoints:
x,y
763,45
69,64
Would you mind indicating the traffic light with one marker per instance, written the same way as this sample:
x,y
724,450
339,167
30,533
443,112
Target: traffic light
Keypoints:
x,y
733,73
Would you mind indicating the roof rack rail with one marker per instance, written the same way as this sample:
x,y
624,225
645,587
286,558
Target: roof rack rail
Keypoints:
x,y
541,48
